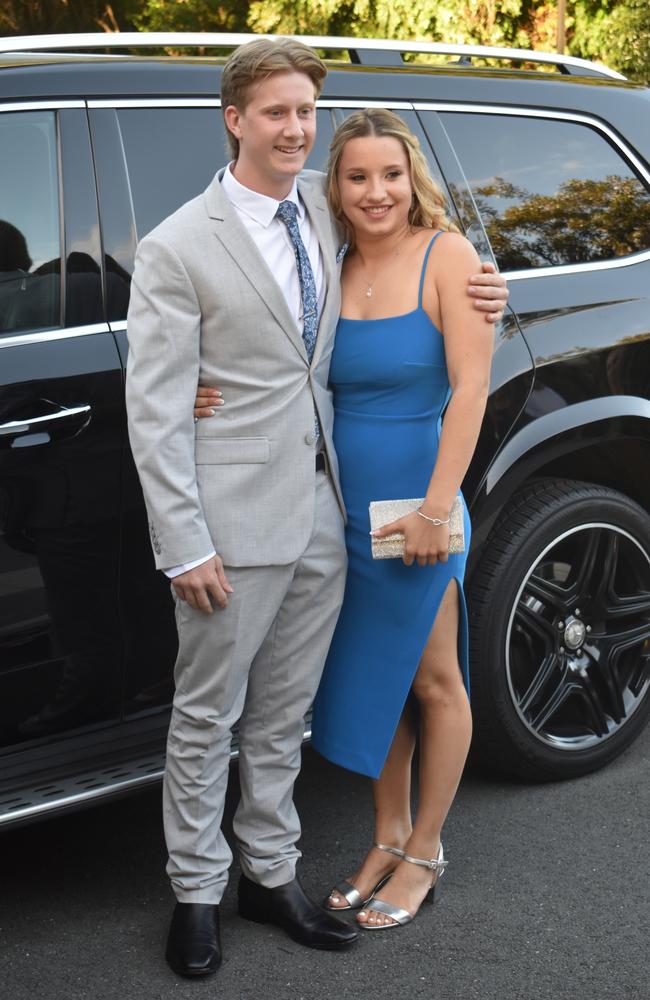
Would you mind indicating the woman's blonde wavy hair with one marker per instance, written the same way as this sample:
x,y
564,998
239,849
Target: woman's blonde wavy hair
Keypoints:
x,y
429,207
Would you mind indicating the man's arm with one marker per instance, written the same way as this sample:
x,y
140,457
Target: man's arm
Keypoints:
x,y
163,326
489,291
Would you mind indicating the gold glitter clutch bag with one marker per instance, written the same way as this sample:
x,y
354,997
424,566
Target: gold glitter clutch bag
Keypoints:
x,y
392,546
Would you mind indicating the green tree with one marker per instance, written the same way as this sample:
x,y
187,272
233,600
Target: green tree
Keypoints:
x,y
373,18
617,32
45,17
192,15
479,21
584,220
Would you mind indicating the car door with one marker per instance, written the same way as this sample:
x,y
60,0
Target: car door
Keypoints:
x,y
61,435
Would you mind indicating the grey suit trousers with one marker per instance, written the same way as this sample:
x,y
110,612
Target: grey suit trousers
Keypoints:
x,y
258,661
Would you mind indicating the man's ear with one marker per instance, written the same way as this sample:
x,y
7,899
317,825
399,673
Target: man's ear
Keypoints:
x,y
231,116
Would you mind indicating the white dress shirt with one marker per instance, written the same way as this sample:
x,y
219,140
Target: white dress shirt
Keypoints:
x,y
257,214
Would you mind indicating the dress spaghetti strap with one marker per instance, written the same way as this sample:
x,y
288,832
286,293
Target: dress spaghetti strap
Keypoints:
x,y
424,268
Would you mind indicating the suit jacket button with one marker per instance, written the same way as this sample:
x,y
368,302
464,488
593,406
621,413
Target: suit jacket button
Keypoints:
x,y
310,438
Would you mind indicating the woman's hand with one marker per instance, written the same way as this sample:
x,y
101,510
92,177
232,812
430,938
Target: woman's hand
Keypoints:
x,y
424,543
207,399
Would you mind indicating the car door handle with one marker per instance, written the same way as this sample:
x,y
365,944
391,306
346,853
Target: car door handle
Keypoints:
x,y
68,419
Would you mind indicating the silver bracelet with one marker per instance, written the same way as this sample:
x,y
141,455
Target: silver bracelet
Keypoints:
x,y
432,520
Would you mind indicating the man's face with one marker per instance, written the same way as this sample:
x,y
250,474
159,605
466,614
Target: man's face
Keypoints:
x,y
276,131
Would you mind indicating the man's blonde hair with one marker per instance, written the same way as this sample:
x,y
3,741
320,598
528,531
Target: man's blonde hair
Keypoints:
x,y
428,208
256,61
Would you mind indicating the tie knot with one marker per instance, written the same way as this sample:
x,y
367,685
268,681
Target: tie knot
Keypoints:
x,y
286,212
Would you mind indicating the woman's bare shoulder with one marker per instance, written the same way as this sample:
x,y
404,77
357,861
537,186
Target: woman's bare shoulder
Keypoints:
x,y
454,250
454,242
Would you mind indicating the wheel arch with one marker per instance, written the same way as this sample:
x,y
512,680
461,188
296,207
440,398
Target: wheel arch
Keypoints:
x,y
605,441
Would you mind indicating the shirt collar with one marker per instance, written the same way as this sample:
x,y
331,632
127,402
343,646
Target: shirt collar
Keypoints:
x,y
258,206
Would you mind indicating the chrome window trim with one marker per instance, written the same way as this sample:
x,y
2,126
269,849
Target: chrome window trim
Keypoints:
x,y
215,102
41,105
155,102
559,269
45,336
120,324
213,39
526,112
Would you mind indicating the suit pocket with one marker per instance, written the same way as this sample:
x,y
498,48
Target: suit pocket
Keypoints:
x,y
231,451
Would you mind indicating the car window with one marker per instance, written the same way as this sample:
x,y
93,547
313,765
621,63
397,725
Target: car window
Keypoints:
x,y
30,244
172,155
550,192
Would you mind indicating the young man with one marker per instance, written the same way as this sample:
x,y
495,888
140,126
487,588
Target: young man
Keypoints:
x,y
240,287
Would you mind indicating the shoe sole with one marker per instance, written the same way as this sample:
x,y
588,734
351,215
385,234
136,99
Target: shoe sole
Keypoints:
x,y
189,974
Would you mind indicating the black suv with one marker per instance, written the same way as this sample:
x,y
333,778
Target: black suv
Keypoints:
x,y
547,173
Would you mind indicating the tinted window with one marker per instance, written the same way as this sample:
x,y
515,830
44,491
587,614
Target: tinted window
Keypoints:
x,y
30,253
550,192
172,154
317,159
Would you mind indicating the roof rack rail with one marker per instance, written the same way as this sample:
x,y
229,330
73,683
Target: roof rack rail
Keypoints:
x,y
368,51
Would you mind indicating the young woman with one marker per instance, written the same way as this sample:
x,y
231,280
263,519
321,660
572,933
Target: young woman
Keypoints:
x,y
409,345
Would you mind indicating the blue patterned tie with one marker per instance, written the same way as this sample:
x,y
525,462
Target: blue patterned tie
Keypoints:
x,y
287,213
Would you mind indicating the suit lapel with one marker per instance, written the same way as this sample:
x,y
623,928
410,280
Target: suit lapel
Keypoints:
x,y
236,241
319,216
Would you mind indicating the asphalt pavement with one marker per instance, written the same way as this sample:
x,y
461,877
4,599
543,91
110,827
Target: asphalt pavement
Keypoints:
x,y
546,896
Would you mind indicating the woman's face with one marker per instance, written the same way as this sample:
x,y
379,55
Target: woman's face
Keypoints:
x,y
375,185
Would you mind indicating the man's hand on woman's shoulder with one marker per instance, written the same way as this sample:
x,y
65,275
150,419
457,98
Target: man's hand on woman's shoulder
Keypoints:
x,y
489,291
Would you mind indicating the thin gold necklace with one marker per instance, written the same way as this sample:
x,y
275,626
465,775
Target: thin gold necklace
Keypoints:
x,y
396,252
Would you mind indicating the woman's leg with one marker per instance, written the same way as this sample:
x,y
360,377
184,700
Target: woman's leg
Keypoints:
x,y
445,732
392,802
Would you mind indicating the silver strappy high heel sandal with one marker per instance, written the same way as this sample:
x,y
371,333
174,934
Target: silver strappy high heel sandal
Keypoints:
x,y
351,894
397,914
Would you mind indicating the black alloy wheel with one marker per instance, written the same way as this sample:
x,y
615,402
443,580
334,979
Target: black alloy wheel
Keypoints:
x,y
560,631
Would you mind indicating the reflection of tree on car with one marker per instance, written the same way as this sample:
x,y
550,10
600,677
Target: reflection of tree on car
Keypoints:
x,y
585,220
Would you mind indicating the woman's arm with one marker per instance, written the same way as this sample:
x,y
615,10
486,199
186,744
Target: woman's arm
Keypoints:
x,y
468,352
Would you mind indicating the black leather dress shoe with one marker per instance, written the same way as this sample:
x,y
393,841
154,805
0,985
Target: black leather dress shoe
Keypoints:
x,y
194,946
288,907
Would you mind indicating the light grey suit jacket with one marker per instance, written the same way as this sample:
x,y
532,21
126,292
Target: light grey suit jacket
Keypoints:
x,y
204,306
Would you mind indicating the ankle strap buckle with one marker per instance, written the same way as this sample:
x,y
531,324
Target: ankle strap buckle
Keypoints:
x,y
433,864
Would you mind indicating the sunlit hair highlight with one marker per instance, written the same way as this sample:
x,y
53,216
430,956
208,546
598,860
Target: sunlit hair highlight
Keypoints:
x,y
256,61
429,207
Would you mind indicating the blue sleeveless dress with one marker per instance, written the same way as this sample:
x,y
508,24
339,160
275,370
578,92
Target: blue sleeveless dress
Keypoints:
x,y
390,385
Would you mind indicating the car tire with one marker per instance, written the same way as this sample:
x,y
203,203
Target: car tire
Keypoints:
x,y
559,624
